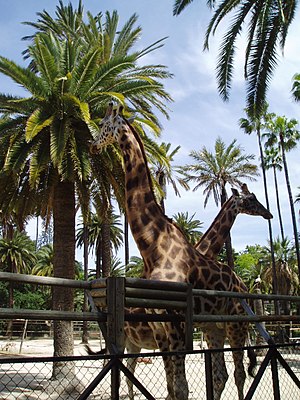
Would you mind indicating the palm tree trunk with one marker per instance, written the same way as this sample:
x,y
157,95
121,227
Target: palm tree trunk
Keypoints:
x,y
9,327
259,311
228,242
99,257
85,325
278,204
288,185
275,285
106,250
8,233
126,239
63,267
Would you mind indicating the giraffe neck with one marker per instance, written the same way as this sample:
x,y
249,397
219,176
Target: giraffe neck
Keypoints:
x,y
144,215
212,241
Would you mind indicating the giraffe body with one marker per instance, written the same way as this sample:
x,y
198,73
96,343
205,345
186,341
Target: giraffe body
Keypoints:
x,y
168,256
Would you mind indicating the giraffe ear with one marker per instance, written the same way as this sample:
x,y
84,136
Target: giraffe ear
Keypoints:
x,y
245,189
235,192
120,109
130,119
109,109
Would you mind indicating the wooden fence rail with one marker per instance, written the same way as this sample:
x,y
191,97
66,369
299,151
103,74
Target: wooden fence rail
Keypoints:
x,y
112,295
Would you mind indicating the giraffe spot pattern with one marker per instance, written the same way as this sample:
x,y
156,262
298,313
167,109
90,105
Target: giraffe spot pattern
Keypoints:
x,y
141,168
170,275
129,167
145,219
142,244
148,197
132,183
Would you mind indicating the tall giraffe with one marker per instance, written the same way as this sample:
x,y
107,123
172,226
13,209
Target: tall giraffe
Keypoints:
x,y
168,256
139,335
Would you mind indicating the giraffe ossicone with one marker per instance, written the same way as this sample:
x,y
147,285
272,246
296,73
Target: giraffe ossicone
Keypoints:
x,y
168,256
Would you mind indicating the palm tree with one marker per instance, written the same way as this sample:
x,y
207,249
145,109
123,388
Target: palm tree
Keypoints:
x,y
284,134
44,264
267,27
189,226
254,124
273,160
213,170
288,280
135,267
70,81
17,255
117,269
163,171
95,238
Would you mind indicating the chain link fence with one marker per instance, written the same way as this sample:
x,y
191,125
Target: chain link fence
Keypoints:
x,y
31,377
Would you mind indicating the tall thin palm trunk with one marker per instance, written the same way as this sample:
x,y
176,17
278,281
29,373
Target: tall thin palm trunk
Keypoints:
x,y
98,252
278,203
228,242
85,325
288,185
275,285
126,239
106,248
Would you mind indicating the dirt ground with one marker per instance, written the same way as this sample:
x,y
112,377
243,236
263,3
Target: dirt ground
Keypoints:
x,y
20,381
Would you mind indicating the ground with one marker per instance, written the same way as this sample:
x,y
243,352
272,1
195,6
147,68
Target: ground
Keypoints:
x,y
22,380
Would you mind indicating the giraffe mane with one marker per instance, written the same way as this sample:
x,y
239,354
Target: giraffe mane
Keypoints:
x,y
215,219
142,148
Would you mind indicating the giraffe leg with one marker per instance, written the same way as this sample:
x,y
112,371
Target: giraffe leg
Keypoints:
x,y
168,365
176,343
237,335
168,339
163,345
215,339
131,364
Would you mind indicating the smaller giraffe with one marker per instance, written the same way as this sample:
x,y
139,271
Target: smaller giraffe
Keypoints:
x,y
139,335
211,243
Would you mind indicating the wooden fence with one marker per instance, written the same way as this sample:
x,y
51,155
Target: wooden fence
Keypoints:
x,y
109,298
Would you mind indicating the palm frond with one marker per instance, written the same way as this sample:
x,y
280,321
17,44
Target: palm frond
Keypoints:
x,y
36,123
180,5
83,74
59,134
24,77
127,37
46,56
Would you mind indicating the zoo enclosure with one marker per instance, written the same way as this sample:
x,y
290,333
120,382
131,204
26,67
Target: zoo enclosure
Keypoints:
x,y
114,294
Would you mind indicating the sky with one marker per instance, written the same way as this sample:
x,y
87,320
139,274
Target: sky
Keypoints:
x,y
198,115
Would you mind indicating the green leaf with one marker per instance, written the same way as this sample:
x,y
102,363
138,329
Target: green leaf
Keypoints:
x,y
35,124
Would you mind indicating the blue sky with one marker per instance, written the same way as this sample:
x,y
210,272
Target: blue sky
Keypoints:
x,y
198,115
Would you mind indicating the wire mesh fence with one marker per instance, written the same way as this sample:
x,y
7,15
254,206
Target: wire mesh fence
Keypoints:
x,y
32,377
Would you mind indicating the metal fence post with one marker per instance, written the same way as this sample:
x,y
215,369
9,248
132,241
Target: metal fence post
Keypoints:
x,y
189,318
274,368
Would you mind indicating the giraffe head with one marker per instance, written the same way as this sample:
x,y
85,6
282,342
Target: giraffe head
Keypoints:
x,y
109,128
247,203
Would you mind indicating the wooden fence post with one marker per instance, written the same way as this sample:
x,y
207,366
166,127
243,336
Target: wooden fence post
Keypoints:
x,y
115,326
